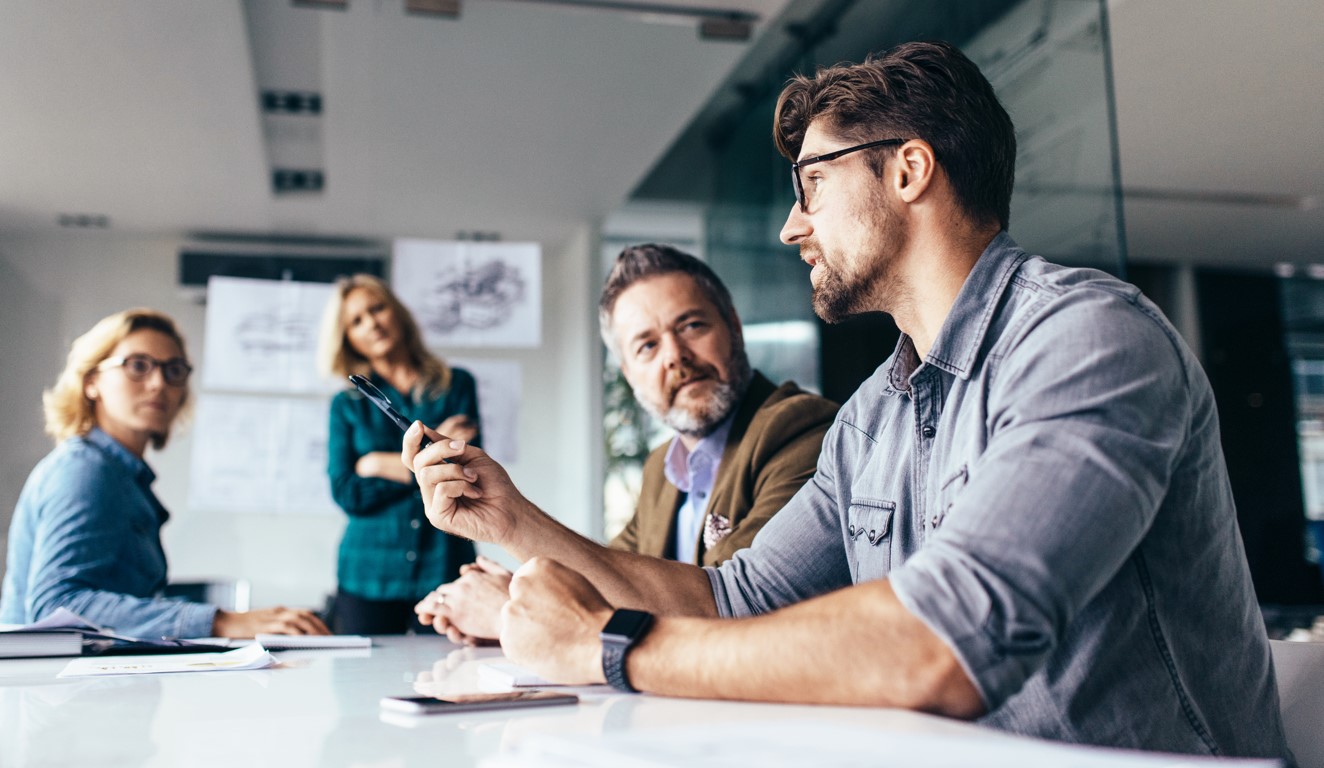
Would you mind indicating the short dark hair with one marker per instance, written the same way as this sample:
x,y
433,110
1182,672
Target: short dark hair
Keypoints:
x,y
640,262
920,90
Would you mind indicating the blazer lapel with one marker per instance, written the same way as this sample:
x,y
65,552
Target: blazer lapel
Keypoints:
x,y
657,520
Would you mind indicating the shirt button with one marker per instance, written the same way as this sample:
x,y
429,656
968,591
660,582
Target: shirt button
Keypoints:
x,y
928,431
411,556
414,524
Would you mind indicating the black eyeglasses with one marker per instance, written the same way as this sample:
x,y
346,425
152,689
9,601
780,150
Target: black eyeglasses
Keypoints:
x,y
800,196
175,371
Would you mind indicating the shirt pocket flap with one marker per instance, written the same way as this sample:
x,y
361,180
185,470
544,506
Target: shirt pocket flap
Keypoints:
x,y
869,521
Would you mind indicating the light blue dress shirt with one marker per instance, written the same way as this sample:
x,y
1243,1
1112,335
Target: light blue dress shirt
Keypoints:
x,y
86,536
1046,491
693,473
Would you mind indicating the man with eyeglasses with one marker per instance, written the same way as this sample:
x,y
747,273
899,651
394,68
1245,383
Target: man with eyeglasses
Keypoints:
x,y
1023,516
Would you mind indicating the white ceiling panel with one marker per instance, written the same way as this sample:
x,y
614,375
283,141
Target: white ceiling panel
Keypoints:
x,y
1219,100
528,119
517,118
142,110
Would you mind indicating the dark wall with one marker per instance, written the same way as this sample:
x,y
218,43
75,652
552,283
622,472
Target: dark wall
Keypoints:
x,y
851,350
1246,358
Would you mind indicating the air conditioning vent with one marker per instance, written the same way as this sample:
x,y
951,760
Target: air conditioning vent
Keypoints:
x,y
312,263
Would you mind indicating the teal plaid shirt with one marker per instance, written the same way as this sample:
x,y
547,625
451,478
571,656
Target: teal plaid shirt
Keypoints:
x,y
390,551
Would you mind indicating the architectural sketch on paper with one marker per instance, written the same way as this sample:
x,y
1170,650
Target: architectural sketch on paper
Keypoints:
x,y
278,331
485,296
467,294
262,336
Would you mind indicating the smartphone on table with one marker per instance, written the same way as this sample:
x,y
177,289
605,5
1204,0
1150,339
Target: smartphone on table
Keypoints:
x,y
477,702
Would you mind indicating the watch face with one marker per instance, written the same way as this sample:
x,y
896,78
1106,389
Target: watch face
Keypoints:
x,y
626,624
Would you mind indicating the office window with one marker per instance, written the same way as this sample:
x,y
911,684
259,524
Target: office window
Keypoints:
x,y
1303,324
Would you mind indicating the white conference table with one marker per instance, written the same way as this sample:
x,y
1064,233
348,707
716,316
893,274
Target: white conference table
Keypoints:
x,y
320,708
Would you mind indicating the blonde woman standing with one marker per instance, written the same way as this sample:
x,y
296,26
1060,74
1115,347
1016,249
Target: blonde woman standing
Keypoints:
x,y
86,534
390,557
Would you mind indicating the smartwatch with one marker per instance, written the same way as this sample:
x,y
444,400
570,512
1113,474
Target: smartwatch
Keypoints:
x,y
625,628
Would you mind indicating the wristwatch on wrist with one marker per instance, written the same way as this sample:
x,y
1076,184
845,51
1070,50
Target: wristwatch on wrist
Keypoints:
x,y
625,628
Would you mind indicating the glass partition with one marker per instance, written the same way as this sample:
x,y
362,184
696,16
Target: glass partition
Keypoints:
x,y
1303,326
1049,62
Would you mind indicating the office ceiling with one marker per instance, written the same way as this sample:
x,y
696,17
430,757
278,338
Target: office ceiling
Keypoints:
x,y
519,119
1221,129
527,120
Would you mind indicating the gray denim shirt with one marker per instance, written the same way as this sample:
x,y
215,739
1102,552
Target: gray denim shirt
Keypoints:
x,y
1047,493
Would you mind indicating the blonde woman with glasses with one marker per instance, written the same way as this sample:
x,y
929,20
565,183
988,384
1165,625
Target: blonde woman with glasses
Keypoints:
x,y
86,534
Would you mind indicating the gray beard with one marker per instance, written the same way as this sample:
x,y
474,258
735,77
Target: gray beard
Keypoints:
x,y
706,419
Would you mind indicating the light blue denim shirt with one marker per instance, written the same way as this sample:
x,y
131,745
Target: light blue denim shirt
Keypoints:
x,y
1047,493
86,536
693,473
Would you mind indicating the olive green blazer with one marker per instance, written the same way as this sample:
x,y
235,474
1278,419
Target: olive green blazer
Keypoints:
x,y
771,451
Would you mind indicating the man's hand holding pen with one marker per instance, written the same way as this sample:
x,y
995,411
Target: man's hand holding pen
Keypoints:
x,y
465,492
552,620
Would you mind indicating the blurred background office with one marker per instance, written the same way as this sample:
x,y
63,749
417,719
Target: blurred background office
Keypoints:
x,y
148,145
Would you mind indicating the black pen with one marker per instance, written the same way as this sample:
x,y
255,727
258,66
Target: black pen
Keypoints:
x,y
378,399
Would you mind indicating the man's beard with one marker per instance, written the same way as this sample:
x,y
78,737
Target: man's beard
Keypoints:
x,y
837,296
703,420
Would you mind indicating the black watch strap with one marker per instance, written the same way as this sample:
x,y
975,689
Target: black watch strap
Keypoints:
x,y
613,667
625,628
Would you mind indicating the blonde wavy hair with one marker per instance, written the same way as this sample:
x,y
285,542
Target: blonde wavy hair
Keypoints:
x,y
69,412
337,357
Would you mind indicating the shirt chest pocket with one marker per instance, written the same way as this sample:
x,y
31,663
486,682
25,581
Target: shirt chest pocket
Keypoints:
x,y
869,538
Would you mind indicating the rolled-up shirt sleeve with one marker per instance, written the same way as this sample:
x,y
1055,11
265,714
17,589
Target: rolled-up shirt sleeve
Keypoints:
x,y
1085,417
796,556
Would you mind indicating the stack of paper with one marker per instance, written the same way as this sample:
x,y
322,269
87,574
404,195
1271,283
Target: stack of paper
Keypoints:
x,y
18,644
249,657
59,634
63,626
312,642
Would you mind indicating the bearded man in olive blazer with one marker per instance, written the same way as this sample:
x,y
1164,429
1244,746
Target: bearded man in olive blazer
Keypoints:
x,y
770,451
742,446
